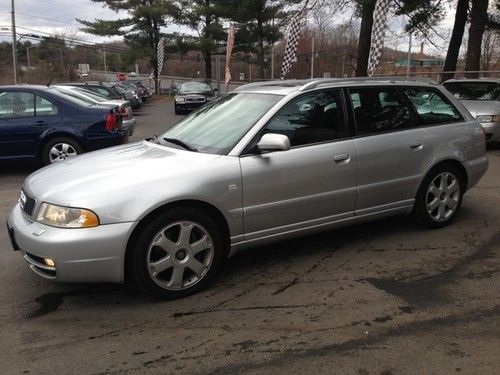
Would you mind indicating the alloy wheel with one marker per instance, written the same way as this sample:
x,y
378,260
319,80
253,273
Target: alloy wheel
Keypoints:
x,y
180,255
61,151
443,195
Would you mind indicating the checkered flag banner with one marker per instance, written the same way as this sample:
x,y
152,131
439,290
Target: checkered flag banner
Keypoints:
x,y
378,34
161,54
292,40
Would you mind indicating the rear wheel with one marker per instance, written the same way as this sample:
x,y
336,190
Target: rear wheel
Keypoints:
x,y
59,149
439,197
177,254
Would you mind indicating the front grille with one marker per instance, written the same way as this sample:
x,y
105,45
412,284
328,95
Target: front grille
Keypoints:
x,y
195,100
27,203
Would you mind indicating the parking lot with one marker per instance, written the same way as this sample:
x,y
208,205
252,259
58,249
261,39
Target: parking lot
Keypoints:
x,y
384,297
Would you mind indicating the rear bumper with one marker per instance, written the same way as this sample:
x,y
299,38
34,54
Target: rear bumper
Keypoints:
x,y
111,139
129,125
476,168
492,130
80,255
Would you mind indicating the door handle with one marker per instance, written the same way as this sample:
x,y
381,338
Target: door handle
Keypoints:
x,y
342,158
417,146
41,122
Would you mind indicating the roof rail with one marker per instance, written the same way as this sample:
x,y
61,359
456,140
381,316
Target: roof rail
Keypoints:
x,y
321,81
276,82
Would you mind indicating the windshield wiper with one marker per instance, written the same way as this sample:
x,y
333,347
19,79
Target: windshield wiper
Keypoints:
x,y
178,142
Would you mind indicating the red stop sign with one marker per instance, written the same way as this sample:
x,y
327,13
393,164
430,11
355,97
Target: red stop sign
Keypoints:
x,y
121,76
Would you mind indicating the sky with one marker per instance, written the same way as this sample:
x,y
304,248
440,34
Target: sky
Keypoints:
x,y
58,17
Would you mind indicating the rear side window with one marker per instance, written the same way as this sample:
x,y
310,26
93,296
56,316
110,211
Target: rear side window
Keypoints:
x,y
312,118
17,104
432,106
379,109
45,107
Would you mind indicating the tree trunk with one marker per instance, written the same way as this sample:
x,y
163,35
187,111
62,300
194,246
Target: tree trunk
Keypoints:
x,y
478,19
208,54
365,34
450,64
208,65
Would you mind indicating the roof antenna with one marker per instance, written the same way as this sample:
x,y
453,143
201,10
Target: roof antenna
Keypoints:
x,y
50,81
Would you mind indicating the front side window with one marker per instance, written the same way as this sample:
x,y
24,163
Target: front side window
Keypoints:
x,y
16,104
379,109
431,105
474,90
44,107
219,125
311,118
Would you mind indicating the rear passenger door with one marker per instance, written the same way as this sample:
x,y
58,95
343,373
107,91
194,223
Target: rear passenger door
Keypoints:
x,y
393,151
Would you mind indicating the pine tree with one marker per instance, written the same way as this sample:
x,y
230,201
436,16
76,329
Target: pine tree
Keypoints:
x,y
141,27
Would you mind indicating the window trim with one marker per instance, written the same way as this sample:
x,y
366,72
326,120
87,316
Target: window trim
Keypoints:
x,y
246,151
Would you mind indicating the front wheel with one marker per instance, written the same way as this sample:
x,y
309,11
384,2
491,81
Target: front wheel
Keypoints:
x,y
177,254
439,197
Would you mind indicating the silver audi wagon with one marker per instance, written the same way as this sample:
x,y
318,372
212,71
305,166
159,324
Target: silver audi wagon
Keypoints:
x,y
266,162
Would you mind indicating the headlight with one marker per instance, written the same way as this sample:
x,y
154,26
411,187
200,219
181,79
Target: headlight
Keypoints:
x,y
488,118
180,100
66,217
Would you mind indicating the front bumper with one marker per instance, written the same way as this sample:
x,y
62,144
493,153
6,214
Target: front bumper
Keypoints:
x,y
80,255
492,130
188,107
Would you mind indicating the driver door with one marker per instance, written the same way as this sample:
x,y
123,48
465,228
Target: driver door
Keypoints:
x,y
313,183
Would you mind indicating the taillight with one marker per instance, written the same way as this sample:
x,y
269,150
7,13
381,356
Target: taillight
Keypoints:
x,y
111,122
123,112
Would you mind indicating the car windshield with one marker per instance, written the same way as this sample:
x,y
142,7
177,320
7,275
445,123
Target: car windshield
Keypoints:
x,y
474,90
194,87
219,125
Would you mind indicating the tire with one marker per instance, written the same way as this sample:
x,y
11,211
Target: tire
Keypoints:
x,y
67,148
171,260
439,197
178,111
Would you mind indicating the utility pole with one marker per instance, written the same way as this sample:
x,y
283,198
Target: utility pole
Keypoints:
x,y
14,43
409,58
105,65
312,59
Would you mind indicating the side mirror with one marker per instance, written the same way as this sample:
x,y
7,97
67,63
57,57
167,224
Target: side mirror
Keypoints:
x,y
274,142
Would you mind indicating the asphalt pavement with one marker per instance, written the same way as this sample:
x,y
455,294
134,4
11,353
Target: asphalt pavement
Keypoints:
x,y
384,297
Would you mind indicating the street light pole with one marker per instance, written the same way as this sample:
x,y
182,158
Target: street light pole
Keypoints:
x,y
14,44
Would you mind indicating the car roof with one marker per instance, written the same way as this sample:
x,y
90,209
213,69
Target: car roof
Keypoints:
x,y
462,80
25,87
285,87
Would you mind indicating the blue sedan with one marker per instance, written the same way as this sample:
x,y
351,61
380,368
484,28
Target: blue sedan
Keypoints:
x,y
39,123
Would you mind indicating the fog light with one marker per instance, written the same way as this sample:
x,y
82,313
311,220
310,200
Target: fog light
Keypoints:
x,y
49,262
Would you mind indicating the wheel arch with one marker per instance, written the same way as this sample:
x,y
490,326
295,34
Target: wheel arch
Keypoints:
x,y
204,207
57,134
454,162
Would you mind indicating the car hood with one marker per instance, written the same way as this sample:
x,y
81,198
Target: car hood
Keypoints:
x,y
482,107
111,171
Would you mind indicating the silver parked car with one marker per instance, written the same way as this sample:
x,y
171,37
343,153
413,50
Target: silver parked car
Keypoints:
x,y
267,162
482,98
